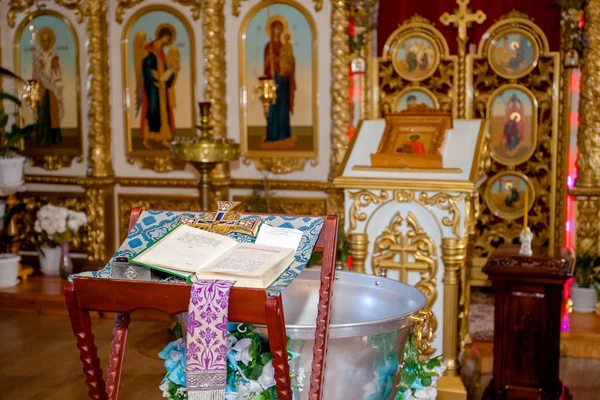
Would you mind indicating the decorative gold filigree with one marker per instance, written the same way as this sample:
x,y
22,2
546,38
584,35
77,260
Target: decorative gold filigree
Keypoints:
x,y
362,199
237,4
157,164
425,325
440,85
293,205
341,106
588,215
123,5
588,136
407,248
18,6
279,165
541,166
53,162
98,84
445,202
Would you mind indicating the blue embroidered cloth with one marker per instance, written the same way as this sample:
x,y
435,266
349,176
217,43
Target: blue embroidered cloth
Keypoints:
x,y
152,225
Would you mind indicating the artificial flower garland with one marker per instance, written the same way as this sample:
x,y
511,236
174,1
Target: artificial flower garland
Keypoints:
x,y
251,376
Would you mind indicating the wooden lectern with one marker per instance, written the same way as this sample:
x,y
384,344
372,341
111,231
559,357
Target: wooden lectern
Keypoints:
x,y
528,306
252,306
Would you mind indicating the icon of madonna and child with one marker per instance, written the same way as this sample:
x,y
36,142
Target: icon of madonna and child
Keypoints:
x,y
279,47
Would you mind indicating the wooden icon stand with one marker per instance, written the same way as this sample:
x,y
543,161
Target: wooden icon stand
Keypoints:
x,y
252,306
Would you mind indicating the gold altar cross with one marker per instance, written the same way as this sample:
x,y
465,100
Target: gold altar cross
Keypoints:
x,y
463,18
224,221
405,249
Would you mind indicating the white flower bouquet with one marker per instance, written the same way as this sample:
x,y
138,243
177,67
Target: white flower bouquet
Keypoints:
x,y
58,225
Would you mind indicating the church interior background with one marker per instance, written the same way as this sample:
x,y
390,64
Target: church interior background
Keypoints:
x,y
527,71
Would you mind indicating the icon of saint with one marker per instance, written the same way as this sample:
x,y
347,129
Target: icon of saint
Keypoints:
x,y
513,125
47,71
512,195
280,65
156,76
412,146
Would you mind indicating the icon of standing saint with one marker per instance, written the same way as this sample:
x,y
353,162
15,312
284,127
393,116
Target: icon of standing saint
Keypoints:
x,y
280,65
47,71
156,76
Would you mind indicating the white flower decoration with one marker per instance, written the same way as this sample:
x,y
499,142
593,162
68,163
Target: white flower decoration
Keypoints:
x,y
267,377
242,348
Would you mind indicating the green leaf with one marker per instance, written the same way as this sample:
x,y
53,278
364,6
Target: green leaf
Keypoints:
x,y
426,381
10,97
265,358
6,72
259,397
408,378
3,121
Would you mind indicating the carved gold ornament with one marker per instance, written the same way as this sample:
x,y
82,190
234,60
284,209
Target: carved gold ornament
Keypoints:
x,y
123,5
393,83
404,246
424,329
18,6
539,165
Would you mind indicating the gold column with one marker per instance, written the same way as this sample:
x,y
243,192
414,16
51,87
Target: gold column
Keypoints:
x,y
213,23
588,137
358,244
588,214
454,252
99,157
101,219
341,106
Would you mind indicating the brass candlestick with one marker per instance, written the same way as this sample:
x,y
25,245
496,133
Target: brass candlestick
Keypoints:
x,y
204,151
266,90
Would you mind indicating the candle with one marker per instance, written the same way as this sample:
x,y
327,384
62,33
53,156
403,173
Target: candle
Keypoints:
x,y
526,208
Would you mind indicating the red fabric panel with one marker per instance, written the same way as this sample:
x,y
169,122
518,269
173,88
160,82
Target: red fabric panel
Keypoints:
x,y
394,12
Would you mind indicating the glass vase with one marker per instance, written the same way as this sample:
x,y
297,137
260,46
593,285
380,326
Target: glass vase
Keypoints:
x,y
66,265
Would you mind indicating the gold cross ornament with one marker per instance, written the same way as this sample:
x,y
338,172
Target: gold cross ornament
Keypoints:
x,y
224,221
463,18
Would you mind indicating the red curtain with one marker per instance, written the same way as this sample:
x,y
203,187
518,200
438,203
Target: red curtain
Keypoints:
x,y
394,12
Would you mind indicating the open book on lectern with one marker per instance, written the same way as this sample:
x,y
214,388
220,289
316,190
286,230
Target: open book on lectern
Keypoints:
x,y
193,254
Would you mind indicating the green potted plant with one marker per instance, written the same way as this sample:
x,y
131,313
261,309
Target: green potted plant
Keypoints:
x,y
11,163
583,292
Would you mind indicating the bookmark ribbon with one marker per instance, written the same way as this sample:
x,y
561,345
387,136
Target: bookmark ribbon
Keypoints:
x,y
206,355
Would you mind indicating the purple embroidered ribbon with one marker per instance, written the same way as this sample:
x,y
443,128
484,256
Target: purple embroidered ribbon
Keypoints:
x,y
206,355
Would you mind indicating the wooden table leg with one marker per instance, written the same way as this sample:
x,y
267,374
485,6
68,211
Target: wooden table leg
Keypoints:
x,y
117,356
278,345
88,352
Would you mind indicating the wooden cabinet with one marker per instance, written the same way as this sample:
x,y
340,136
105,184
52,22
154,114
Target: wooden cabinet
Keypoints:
x,y
528,306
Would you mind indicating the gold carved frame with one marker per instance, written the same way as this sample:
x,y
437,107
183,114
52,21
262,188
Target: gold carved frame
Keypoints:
x,y
157,160
540,165
276,161
388,85
45,157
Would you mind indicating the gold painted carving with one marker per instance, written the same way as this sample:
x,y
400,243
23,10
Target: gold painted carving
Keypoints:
x,y
363,199
279,165
588,136
18,6
123,5
291,205
424,331
99,205
237,4
463,19
406,247
98,83
445,202
439,85
157,164
341,106
541,166
53,162
588,217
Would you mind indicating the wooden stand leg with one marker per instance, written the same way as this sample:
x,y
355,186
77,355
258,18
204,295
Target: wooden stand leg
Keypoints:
x,y
278,345
117,356
82,328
